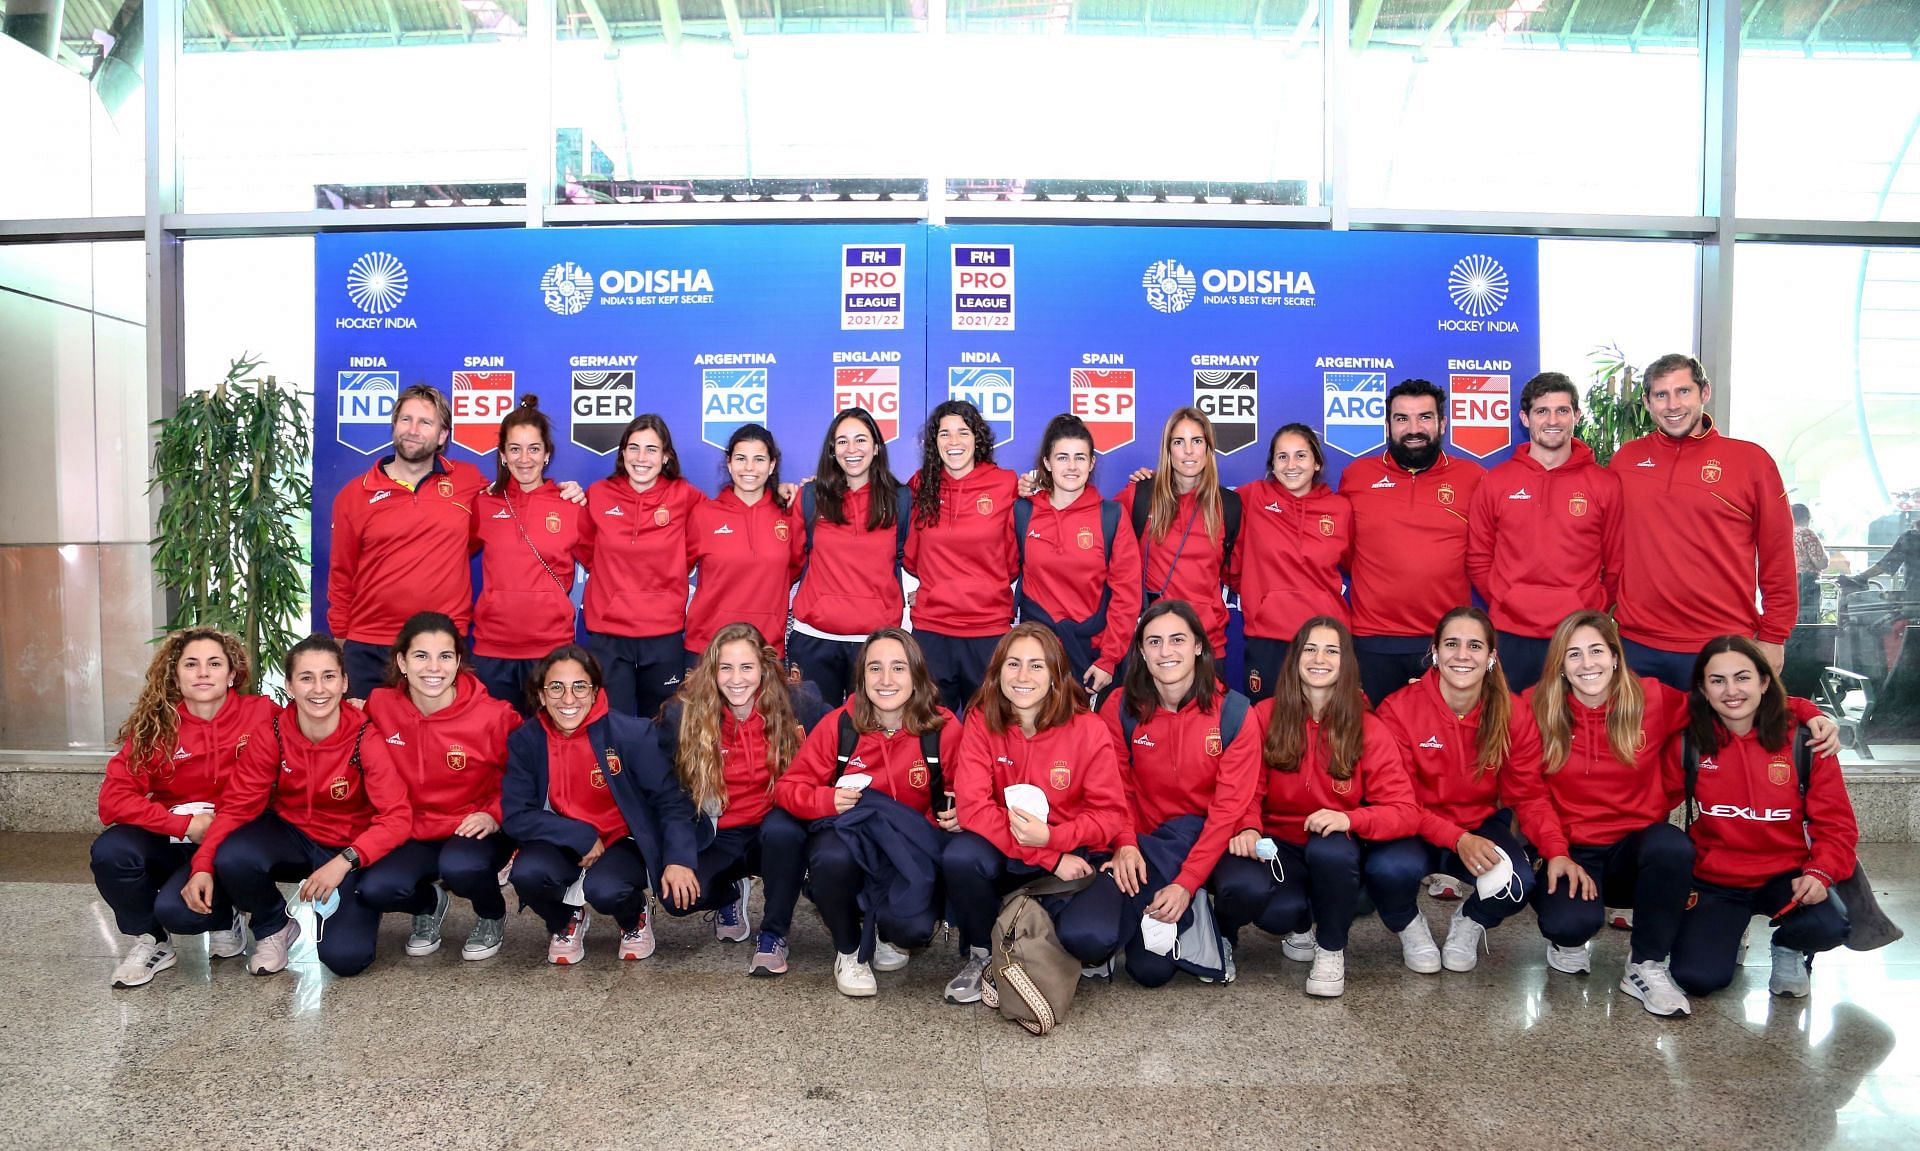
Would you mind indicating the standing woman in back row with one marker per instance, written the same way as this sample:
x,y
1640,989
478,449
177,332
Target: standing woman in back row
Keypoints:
x,y
633,542
1287,568
961,549
1186,523
746,543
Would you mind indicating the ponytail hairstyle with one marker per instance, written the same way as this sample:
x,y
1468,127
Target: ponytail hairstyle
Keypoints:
x,y
526,414
1341,725
418,624
755,433
1139,694
1553,707
830,482
933,473
922,711
1772,724
319,643
1496,698
153,723
702,713
1206,493
1065,426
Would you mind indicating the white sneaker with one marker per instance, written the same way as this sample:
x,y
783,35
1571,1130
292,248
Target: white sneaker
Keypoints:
x,y
1299,946
1098,970
1791,977
1654,988
638,943
1572,960
1328,977
1442,886
887,957
229,943
148,958
569,946
964,987
270,954
1417,948
852,977
425,938
1464,937
1620,917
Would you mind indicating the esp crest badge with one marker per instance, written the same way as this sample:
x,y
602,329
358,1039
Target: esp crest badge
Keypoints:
x,y
598,779
1214,744
1253,680
1710,472
660,517
456,758
1084,537
917,774
1577,504
1059,777
338,788
794,674
1342,786
242,745
1326,525
1693,900
1779,771
1445,495
780,530
445,488
613,762
984,505
553,523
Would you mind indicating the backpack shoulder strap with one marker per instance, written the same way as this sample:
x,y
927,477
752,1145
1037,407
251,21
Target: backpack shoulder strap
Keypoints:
x,y
1022,519
353,761
1127,724
1233,712
1802,759
1229,525
848,738
902,520
1109,523
1142,504
930,751
809,510
1690,767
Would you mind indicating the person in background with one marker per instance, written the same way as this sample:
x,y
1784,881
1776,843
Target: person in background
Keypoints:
x,y
1809,560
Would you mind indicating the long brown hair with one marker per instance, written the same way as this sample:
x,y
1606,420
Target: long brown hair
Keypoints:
x,y
1341,726
1496,698
922,712
1626,703
1773,723
1140,695
154,723
1065,697
1206,492
700,763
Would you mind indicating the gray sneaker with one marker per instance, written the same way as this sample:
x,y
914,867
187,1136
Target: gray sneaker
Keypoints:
x,y
965,987
425,939
483,942
1791,978
229,943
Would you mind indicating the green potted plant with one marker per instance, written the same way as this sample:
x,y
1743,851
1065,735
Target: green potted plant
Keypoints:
x,y
1613,412
231,464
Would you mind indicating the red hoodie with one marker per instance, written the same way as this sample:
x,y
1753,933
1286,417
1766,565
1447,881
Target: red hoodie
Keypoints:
x,y
1186,564
1176,765
1074,764
527,544
1545,544
316,788
744,769
966,563
1753,822
1067,570
203,755
452,760
1442,749
634,547
748,557
851,586
576,786
1378,797
1597,799
400,550
1408,562
1705,510
1286,564
894,762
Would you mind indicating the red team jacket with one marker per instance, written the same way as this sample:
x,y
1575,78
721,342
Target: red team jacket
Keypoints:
x,y
634,547
1753,822
451,760
1067,570
1408,563
894,762
524,610
850,587
1596,798
1191,570
1378,797
1176,765
966,563
1545,544
315,788
191,771
1286,564
1073,763
748,559
400,550
744,769
1703,509
1441,750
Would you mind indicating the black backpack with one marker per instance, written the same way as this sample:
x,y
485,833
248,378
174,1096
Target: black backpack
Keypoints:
x,y
902,519
1023,518
929,751
1233,709
1229,521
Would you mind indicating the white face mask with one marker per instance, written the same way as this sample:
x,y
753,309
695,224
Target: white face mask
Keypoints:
x,y
1499,881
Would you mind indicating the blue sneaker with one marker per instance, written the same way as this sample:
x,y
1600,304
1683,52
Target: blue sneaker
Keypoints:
x,y
730,920
769,955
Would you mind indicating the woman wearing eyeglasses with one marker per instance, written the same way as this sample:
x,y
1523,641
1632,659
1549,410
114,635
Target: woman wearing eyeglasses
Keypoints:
x,y
597,813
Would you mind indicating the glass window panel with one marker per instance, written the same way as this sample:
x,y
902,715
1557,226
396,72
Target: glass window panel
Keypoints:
x,y
81,150
1534,105
1636,296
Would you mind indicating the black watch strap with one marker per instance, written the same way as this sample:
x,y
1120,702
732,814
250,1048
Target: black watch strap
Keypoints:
x,y
352,857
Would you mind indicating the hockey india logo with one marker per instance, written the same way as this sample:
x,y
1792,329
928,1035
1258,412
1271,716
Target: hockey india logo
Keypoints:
x,y
456,758
1477,285
917,774
1059,777
377,282
566,289
1169,285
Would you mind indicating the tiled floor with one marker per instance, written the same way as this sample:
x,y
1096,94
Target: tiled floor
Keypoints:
x,y
684,1051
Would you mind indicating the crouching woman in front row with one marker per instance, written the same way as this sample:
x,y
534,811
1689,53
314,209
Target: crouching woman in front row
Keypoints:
x,y
1762,845
1029,725
590,800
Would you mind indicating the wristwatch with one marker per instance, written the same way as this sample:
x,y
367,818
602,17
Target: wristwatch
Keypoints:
x,y
352,857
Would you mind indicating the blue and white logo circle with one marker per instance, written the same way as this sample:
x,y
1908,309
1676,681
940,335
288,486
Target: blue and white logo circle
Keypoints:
x,y
1169,286
1478,285
566,289
377,282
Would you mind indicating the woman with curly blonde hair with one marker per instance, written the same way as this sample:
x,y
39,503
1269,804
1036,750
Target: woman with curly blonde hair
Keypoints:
x,y
731,731
176,748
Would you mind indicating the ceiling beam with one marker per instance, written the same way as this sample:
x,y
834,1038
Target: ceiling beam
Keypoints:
x,y
288,31
1445,21
736,28
670,28
598,18
1363,20
393,19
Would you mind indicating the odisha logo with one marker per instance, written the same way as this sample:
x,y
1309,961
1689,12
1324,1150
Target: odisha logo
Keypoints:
x,y
1169,286
1478,285
377,283
566,289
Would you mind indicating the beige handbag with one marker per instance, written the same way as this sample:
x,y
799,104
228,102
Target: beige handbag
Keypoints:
x,y
1031,979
